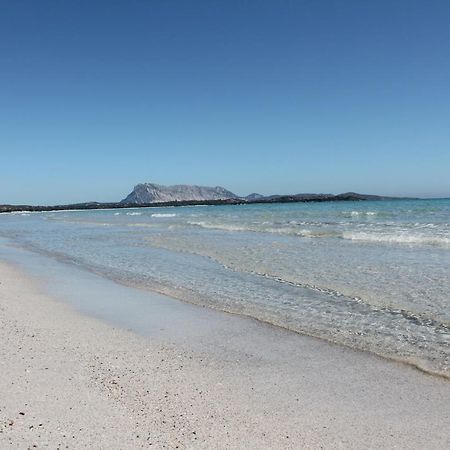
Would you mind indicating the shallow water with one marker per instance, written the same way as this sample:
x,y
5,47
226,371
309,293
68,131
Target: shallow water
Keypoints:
x,y
371,275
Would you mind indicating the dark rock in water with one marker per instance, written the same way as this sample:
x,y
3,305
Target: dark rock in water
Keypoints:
x,y
355,196
156,193
348,196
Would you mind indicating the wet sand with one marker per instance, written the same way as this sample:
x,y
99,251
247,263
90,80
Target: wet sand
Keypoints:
x,y
172,375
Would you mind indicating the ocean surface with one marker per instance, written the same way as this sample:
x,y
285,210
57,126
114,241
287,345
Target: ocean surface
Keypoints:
x,y
371,275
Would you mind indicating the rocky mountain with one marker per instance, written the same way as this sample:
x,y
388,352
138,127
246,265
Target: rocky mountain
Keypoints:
x,y
156,193
254,196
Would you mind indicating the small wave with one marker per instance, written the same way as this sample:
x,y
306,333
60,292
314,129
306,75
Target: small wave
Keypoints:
x,y
141,225
288,231
359,213
362,236
308,233
163,215
134,214
117,214
410,239
223,227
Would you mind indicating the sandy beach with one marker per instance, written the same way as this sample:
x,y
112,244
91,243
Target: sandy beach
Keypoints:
x,y
73,381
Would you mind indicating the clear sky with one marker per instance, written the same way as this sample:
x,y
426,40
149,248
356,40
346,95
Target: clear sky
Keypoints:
x,y
268,96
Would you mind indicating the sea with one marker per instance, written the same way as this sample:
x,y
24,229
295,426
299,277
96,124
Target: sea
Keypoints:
x,y
370,275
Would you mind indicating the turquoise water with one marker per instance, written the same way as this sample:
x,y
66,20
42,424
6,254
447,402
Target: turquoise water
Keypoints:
x,y
371,275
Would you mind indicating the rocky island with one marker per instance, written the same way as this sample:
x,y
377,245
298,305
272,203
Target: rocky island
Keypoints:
x,y
157,193
153,195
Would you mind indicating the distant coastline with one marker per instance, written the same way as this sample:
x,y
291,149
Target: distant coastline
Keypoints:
x,y
295,198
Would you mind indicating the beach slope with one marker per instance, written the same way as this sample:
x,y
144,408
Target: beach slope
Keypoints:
x,y
71,381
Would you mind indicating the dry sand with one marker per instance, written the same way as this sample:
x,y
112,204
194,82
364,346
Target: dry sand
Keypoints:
x,y
71,381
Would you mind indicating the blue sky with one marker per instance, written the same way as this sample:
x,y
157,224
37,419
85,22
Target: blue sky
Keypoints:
x,y
267,96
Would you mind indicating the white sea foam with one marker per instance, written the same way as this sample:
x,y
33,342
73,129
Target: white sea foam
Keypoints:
x,y
224,227
163,215
134,214
359,213
398,238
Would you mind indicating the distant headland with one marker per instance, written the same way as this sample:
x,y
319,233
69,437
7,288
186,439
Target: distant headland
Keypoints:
x,y
156,195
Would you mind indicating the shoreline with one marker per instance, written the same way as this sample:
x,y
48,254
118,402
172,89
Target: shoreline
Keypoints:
x,y
172,296
228,379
